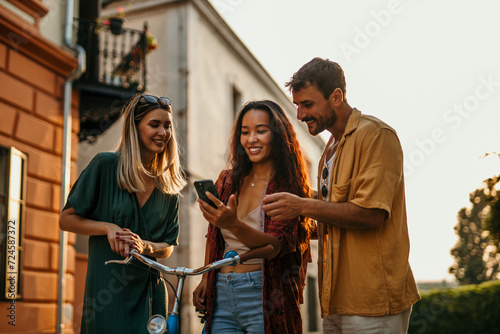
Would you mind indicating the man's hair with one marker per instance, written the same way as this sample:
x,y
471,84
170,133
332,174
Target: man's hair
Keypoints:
x,y
325,74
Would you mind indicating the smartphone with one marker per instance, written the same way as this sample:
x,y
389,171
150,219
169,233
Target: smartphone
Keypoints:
x,y
202,186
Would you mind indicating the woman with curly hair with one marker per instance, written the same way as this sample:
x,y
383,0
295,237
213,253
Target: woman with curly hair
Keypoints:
x,y
261,295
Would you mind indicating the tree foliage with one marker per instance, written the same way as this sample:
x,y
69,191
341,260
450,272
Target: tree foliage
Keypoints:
x,y
492,221
475,253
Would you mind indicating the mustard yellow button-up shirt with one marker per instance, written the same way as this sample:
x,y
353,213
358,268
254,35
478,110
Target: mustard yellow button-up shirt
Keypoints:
x,y
366,272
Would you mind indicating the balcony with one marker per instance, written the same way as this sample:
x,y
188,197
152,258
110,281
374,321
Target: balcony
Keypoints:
x,y
116,71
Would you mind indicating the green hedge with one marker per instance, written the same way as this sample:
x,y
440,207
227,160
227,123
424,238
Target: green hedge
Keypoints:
x,y
473,309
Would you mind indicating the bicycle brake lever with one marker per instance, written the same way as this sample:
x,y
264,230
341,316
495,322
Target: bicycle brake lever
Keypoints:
x,y
126,261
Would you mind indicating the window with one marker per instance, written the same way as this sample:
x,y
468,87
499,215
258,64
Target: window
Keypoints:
x,y
12,208
236,99
312,304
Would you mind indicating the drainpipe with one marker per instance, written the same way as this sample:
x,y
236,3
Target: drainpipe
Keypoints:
x,y
66,157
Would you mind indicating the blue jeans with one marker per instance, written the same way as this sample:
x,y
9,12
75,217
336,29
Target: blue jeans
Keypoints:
x,y
238,304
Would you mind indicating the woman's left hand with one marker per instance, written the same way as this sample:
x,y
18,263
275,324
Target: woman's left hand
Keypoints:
x,y
131,241
223,216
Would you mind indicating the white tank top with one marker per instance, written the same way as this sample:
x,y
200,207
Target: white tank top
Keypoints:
x,y
232,243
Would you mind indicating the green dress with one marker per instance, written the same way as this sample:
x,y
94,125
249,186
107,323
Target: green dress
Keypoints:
x,y
121,298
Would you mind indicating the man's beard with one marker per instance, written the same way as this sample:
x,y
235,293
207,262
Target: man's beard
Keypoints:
x,y
327,122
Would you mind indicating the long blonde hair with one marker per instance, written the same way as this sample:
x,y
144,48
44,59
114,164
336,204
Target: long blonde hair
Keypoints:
x,y
165,167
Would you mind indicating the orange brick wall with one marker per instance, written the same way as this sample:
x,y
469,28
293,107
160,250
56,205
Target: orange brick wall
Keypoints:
x,y
31,109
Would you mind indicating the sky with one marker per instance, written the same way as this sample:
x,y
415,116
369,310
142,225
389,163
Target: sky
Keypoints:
x,y
430,69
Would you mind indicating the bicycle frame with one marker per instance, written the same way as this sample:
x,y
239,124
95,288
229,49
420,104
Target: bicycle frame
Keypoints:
x,y
173,323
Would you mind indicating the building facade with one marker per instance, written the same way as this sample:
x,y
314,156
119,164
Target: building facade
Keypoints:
x,y
34,67
207,72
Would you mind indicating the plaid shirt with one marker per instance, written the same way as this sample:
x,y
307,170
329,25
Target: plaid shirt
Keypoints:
x,y
283,276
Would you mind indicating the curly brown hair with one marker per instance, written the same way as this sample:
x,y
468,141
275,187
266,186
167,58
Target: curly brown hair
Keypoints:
x,y
291,170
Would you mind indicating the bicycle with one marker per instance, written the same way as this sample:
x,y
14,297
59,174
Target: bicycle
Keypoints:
x,y
157,324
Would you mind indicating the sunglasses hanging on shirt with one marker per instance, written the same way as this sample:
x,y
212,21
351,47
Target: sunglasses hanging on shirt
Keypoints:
x,y
324,182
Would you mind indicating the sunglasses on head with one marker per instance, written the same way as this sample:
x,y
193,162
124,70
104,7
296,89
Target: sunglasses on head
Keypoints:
x,y
154,99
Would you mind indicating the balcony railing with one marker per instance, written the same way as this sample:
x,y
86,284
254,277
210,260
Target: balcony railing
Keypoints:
x,y
115,58
116,71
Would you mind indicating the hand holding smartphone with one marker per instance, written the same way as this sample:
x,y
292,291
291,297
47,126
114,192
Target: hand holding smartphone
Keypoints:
x,y
203,186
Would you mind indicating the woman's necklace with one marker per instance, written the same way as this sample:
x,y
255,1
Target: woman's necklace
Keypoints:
x,y
252,183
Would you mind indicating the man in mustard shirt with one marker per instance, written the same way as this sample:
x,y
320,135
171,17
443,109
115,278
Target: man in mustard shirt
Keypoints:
x,y
365,280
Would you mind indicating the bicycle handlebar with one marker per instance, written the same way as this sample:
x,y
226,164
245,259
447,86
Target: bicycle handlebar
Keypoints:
x,y
178,271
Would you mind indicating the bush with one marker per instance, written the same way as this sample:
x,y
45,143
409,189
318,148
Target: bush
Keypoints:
x,y
473,309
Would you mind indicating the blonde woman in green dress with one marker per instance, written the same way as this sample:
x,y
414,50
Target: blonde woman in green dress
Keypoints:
x,y
128,199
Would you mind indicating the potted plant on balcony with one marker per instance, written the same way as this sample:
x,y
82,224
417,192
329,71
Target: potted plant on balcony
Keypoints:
x,y
131,62
116,21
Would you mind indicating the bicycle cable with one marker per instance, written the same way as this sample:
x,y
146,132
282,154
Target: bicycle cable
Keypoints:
x,y
157,273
